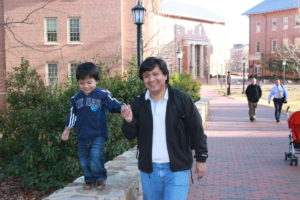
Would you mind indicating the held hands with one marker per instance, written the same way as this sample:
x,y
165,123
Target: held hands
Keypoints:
x,y
126,113
65,135
200,169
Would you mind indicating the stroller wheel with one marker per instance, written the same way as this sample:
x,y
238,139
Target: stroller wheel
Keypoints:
x,y
285,156
296,161
291,162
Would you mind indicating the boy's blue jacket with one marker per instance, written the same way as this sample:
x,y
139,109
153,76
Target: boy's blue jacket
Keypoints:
x,y
89,113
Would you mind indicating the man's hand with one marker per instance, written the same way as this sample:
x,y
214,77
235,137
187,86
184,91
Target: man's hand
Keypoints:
x,y
65,135
268,102
200,169
126,113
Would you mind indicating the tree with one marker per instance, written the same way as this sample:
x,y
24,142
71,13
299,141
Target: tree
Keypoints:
x,y
292,57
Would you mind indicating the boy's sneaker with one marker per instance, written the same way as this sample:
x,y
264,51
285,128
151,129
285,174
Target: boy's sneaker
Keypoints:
x,y
100,185
88,186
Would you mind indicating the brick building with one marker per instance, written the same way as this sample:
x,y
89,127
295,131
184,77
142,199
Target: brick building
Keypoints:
x,y
60,34
274,25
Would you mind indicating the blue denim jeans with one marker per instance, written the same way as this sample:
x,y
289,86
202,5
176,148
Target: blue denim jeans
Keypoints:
x,y
91,158
278,105
163,184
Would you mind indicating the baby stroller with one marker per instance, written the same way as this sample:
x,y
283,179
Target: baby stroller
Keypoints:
x,y
294,137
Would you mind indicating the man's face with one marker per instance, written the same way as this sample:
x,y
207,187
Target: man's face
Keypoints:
x,y
253,81
87,85
155,80
278,82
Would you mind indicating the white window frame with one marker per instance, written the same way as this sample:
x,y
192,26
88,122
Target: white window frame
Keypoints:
x,y
274,46
297,47
257,26
285,23
256,45
297,20
274,24
46,32
285,44
69,34
70,69
47,74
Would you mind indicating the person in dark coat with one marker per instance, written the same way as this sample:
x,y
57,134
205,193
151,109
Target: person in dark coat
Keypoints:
x,y
253,93
167,126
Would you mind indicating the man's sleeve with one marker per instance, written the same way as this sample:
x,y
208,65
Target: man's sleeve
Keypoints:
x,y
259,91
195,131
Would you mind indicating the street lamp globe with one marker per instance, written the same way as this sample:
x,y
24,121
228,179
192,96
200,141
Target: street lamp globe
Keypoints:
x,y
138,13
179,55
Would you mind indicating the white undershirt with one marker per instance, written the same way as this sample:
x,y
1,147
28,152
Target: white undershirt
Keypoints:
x,y
159,145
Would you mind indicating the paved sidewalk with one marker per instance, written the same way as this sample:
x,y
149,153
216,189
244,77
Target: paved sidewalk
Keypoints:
x,y
246,159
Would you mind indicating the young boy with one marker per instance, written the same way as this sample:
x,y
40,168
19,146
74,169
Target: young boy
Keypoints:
x,y
88,115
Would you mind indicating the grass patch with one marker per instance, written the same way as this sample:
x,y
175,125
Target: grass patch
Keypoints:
x,y
293,92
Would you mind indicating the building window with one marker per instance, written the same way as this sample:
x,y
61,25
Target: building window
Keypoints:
x,y
257,46
74,30
72,70
285,23
285,44
257,25
52,74
297,43
51,30
297,20
274,24
274,45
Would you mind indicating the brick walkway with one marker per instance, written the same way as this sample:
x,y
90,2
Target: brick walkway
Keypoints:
x,y
246,159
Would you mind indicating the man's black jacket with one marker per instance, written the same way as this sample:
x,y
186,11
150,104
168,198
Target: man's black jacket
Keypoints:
x,y
183,131
253,93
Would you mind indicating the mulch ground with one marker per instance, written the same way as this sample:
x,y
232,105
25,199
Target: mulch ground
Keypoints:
x,y
10,190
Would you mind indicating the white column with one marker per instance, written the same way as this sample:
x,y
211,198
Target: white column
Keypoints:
x,y
192,71
201,61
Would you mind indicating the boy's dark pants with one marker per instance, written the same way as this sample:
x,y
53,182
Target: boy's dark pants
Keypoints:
x,y
278,105
91,158
252,106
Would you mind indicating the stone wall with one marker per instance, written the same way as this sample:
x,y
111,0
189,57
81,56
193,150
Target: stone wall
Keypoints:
x,y
123,182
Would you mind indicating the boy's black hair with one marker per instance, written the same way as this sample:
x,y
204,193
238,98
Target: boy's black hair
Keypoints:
x,y
150,63
87,70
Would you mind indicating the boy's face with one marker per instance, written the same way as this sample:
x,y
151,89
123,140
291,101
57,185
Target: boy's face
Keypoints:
x,y
87,85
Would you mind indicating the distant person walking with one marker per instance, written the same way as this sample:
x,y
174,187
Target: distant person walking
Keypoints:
x,y
253,93
279,94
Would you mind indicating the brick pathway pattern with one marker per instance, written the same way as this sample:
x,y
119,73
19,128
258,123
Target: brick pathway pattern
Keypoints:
x,y
246,159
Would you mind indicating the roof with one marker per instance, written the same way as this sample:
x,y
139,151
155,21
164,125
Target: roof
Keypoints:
x,y
187,10
272,6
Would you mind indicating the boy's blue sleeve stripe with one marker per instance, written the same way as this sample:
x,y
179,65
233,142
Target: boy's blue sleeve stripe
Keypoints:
x,y
71,119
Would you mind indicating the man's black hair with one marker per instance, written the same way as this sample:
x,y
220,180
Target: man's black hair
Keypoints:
x,y
87,70
150,63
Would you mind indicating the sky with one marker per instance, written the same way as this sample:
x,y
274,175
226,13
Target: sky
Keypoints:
x,y
237,25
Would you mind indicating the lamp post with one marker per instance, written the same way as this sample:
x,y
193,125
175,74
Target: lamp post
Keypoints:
x,y
138,13
244,66
179,55
283,65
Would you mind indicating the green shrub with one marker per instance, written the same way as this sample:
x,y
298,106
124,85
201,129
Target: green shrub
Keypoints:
x,y
186,83
30,146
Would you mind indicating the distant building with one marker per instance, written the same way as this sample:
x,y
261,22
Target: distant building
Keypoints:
x,y
238,55
199,33
274,25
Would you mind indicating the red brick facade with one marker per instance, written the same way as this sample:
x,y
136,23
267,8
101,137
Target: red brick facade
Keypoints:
x,y
268,29
2,58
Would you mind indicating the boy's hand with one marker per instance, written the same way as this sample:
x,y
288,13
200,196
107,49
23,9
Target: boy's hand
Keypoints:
x,y
200,169
126,113
65,134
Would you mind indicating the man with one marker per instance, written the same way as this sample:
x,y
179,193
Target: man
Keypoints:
x,y
279,93
253,93
167,124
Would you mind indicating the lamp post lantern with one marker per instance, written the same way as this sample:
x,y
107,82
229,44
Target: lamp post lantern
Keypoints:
x,y
179,55
283,65
138,13
244,66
